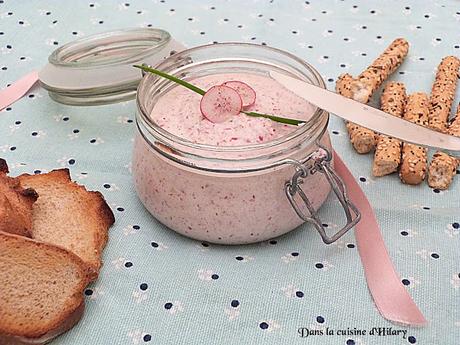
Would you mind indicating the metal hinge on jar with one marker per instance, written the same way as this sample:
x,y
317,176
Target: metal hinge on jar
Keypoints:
x,y
319,162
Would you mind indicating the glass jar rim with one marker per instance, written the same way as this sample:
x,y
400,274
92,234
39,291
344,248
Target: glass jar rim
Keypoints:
x,y
64,56
145,119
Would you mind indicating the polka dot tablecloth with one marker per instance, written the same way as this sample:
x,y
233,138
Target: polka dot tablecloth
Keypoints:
x,y
161,288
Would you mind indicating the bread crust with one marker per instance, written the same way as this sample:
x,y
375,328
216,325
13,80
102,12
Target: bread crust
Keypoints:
x,y
95,208
69,314
67,324
3,166
15,204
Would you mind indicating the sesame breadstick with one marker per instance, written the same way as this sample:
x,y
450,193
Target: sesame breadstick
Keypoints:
x,y
443,92
414,160
443,167
374,75
343,85
388,151
362,139
362,88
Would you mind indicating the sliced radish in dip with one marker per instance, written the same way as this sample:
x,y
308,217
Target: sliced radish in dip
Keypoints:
x,y
247,93
220,103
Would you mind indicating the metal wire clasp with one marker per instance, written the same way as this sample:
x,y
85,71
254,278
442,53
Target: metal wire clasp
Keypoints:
x,y
319,161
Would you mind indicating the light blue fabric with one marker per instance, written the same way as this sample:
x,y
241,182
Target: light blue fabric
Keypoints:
x,y
182,304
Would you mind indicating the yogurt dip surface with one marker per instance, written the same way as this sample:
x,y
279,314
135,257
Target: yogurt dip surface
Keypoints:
x,y
178,112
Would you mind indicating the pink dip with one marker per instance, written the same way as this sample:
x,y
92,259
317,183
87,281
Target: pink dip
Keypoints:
x,y
222,207
179,113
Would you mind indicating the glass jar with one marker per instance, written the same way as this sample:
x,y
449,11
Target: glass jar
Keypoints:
x,y
234,194
97,69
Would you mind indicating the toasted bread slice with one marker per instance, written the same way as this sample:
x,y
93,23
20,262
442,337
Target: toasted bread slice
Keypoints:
x,y
15,204
41,293
68,215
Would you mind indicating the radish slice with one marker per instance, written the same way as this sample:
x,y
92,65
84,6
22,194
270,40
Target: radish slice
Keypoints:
x,y
220,103
247,93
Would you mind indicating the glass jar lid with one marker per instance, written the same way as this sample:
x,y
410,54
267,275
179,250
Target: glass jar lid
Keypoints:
x,y
98,69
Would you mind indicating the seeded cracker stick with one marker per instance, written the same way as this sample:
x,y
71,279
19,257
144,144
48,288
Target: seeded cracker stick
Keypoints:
x,y
414,160
343,85
443,93
443,167
362,139
388,152
362,88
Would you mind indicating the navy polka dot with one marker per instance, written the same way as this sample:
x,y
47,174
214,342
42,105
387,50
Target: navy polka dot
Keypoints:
x,y
320,319
88,292
215,276
299,294
404,233
128,264
147,337
154,244
435,255
456,225
235,303
350,342
168,305
405,282
239,258
136,227
143,286
295,254
263,325
411,339
319,265
350,245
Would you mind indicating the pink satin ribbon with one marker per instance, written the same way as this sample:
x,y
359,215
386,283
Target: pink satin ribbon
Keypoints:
x,y
391,298
18,89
